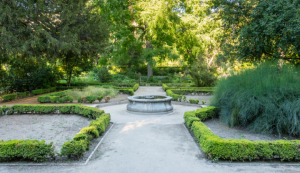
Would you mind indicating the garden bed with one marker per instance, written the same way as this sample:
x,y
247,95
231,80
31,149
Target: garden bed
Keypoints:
x,y
50,128
223,131
217,147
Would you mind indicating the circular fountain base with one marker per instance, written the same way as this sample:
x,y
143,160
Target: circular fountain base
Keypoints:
x,y
150,104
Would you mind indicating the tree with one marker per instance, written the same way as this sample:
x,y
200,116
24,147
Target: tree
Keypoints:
x,y
141,30
260,29
69,30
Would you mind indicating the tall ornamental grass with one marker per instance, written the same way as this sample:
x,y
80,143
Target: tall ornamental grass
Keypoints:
x,y
264,99
92,91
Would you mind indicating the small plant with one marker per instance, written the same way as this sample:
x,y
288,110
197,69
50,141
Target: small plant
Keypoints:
x,y
91,99
215,160
184,98
203,102
100,98
106,98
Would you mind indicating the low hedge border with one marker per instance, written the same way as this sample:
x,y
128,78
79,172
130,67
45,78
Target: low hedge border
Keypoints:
x,y
167,86
177,94
42,91
237,149
53,97
38,151
9,97
81,141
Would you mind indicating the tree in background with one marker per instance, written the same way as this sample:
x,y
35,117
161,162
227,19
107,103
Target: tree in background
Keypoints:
x,y
260,29
68,30
141,31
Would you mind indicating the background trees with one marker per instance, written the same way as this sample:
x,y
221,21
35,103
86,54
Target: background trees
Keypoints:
x,y
69,33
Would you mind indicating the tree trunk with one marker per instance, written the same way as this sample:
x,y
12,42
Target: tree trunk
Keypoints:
x,y
70,75
149,71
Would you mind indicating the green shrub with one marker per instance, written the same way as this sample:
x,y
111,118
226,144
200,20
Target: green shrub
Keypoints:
x,y
79,100
99,98
81,140
23,94
189,118
74,148
33,150
68,99
103,75
53,97
135,87
91,99
9,97
264,99
127,91
193,101
202,75
175,97
206,112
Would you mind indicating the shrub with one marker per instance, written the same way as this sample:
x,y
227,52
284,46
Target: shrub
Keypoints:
x,y
106,98
103,75
81,140
23,94
79,100
33,150
175,97
135,87
193,101
91,99
100,98
9,97
264,99
202,75
74,148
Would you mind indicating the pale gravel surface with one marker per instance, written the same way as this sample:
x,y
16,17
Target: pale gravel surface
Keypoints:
x,y
50,128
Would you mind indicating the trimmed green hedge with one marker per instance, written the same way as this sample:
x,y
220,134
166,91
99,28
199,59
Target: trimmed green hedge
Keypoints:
x,y
89,112
175,97
237,149
42,91
135,87
127,91
37,150
53,97
81,141
23,94
9,97
33,150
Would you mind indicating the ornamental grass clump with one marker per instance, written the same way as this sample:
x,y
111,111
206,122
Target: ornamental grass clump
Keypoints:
x,y
264,99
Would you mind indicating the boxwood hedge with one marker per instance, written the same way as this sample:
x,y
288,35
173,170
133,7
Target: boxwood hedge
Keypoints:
x,y
38,151
237,149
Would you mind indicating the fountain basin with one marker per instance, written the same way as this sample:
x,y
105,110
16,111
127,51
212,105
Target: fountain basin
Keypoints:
x,y
150,104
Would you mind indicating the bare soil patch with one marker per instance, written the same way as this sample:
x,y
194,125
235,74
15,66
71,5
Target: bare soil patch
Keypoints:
x,y
50,128
223,131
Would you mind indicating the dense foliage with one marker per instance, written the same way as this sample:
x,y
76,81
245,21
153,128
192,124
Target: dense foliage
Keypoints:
x,y
260,29
264,99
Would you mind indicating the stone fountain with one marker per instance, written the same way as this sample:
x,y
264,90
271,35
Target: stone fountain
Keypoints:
x,y
150,104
